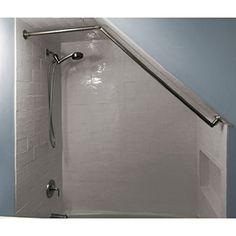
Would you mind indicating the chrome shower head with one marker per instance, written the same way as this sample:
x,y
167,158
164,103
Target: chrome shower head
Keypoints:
x,y
73,56
77,56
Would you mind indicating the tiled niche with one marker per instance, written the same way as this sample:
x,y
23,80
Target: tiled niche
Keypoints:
x,y
212,154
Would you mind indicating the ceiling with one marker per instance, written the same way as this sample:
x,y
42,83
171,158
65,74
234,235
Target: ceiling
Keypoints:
x,y
58,23
44,24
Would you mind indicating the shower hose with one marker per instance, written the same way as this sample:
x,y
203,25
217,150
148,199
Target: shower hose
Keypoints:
x,y
50,77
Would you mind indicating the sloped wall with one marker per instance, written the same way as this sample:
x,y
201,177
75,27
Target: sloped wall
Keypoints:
x,y
201,53
123,148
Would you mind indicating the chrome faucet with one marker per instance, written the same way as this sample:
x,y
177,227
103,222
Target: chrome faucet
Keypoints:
x,y
51,188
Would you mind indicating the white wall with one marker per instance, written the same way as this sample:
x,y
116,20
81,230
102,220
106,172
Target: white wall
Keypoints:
x,y
200,52
212,171
128,144
36,161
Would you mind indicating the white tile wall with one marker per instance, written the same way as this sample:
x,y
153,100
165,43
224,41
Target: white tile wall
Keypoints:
x,y
128,144
123,148
36,161
212,148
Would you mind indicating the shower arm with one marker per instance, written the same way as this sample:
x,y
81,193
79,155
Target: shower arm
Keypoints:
x,y
215,121
59,61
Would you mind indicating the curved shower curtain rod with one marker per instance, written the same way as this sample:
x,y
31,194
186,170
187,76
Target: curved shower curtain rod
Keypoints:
x,y
217,118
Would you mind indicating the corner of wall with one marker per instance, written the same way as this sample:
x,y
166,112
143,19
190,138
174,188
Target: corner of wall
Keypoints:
x,y
231,173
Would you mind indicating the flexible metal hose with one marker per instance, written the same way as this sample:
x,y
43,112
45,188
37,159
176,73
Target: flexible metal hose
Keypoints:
x,y
50,76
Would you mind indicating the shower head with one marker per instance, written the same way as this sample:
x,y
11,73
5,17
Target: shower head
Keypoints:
x,y
77,56
73,56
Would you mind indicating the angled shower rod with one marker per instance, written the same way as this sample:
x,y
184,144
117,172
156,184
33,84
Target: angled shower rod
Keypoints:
x,y
217,118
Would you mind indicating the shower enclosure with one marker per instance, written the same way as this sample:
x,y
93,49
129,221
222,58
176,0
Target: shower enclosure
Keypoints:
x,y
112,132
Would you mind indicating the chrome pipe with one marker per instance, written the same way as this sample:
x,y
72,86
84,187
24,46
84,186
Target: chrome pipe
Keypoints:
x,y
217,118
156,77
27,34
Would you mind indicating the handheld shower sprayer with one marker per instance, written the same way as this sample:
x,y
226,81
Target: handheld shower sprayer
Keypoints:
x,y
56,61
